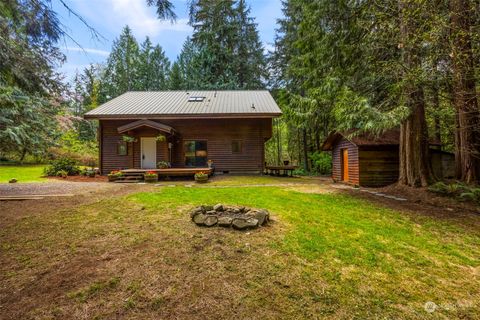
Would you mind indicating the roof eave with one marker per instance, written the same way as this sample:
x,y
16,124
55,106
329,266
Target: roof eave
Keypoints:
x,y
182,116
329,141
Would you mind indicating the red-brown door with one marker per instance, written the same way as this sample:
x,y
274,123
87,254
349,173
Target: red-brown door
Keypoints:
x,y
344,164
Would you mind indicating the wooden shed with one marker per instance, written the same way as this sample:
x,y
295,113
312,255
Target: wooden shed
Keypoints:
x,y
364,160
373,161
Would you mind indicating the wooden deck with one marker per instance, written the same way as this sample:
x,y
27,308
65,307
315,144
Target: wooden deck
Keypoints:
x,y
171,172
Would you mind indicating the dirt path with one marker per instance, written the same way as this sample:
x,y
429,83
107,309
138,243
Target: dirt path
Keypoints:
x,y
84,193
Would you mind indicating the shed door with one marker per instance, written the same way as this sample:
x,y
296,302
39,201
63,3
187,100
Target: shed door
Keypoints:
x,y
344,164
149,153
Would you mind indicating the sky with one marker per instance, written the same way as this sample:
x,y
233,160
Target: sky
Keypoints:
x,y
108,17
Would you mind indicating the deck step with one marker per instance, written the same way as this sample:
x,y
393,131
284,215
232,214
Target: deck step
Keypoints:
x,y
132,177
128,181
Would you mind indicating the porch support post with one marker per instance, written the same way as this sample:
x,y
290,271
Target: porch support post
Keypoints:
x,y
100,146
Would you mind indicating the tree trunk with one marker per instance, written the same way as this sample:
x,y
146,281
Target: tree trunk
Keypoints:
x,y
22,155
458,154
299,146
414,168
279,146
305,150
465,96
457,141
414,160
436,118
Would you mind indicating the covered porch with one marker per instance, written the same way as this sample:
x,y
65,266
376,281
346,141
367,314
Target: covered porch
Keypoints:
x,y
147,145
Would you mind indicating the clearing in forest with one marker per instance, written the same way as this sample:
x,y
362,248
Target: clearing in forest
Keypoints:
x,y
323,255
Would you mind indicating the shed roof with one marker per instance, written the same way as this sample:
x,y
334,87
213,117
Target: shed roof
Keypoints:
x,y
388,138
188,104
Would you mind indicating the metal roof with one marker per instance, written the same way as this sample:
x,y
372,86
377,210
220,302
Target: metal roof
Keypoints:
x,y
151,104
389,137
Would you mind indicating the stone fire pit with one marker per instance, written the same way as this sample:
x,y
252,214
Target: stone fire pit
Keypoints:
x,y
239,218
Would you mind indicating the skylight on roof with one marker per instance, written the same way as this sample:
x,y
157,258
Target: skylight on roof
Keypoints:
x,y
195,99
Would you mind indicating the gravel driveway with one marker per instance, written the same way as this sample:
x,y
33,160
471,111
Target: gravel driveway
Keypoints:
x,y
54,187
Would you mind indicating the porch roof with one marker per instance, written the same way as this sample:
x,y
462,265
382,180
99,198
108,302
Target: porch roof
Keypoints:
x,y
146,123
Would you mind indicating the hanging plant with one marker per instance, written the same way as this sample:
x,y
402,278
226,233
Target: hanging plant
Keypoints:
x,y
161,138
128,138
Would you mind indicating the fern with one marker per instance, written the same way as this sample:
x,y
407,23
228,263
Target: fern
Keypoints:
x,y
473,195
439,187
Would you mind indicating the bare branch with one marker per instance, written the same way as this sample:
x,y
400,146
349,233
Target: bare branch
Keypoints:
x,y
95,34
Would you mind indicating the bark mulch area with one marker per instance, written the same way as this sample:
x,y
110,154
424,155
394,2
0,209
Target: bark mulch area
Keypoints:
x,y
97,178
420,202
424,197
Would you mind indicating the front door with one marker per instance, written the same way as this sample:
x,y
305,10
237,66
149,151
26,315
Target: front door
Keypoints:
x,y
149,153
345,165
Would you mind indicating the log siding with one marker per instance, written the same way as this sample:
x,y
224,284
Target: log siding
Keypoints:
x,y
367,166
219,134
374,160
353,164
379,165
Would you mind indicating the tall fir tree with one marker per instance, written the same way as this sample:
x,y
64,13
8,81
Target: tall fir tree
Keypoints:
x,y
251,65
215,35
225,48
176,81
153,67
190,65
122,69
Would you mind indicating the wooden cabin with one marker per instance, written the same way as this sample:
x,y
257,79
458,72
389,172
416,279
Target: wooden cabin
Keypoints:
x,y
186,129
373,161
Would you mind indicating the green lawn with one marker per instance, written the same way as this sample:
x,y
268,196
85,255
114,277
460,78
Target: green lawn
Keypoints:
x,y
239,180
324,256
23,173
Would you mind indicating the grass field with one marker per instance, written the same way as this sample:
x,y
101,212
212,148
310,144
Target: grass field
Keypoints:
x,y
324,256
24,173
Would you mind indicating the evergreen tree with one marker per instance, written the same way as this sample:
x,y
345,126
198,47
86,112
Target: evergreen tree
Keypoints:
x,y
164,9
465,97
400,63
123,66
30,89
249,55
153,67
145,77
225,51
176,81
85,98
160,66
191,71
215,35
